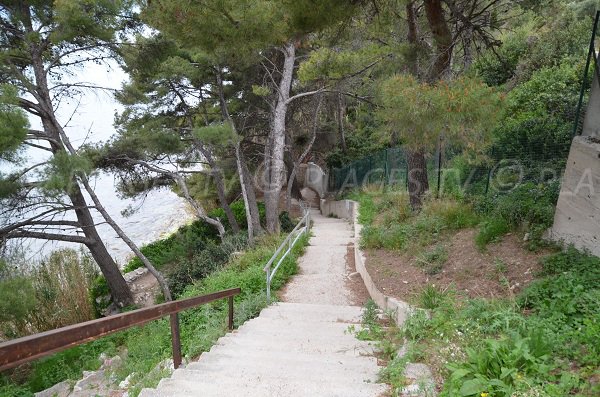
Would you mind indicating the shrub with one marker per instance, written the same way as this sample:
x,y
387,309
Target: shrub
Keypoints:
x,y
490,231
212,257
453,214
52,294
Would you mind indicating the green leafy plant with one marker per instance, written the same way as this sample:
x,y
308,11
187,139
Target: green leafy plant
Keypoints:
x,y
496,368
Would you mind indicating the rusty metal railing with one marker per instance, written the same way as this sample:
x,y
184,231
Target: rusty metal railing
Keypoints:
x,y
23,350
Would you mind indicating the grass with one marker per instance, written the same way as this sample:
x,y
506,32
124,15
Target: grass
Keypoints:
x,y
544,342
541,342
148,345
390,224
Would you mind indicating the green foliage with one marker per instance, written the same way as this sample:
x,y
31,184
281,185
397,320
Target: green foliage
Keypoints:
x,y
566,298
533,140
433,260
13,123
465,109
528,206
239,212
432,297
500,366
390,224
17,301
217,134
85,19
371,328
62,169
550,91
490,231
287,225
51,294
496,68
210,258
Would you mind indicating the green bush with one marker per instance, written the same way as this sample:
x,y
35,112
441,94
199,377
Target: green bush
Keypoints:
x,y
490,231
239,212
212,257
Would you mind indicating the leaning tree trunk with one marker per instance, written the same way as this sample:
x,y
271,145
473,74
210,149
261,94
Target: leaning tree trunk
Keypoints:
x,y
418,182
276,163
117,285
100,208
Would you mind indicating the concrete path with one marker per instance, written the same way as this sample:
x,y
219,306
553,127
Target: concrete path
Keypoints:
x,y
322,270
297,348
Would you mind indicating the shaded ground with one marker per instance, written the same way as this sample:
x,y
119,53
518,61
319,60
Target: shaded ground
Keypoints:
x,y
502,270
354,283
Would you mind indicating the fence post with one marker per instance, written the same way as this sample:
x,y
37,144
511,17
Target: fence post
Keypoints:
x,y
439,173
230,325
386,169
176,339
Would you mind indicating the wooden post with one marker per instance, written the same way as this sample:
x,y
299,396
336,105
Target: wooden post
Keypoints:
x,y
231,313
176,340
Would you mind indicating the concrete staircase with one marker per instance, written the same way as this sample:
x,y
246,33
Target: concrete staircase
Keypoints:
x,y
291,350
298,348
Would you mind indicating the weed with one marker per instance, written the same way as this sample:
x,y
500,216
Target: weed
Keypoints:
x,y
432,297
433,260
490,231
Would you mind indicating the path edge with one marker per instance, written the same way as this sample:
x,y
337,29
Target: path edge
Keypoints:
x,y
348,209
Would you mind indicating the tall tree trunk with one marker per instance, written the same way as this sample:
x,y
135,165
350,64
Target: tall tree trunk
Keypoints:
x,y
243,185
251,193
217,174
412,38
442,38
275,160
341,114
243,174
418,183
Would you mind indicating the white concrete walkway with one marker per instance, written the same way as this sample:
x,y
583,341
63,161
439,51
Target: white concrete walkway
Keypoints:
x,y
297,348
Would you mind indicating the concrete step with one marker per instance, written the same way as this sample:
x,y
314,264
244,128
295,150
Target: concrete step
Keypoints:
x,y
316,288
257,354
277,326
303,312
223,353
315,346
281,369
261,387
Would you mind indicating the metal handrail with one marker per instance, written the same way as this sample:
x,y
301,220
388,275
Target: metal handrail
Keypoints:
x,y
22,350
301,228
